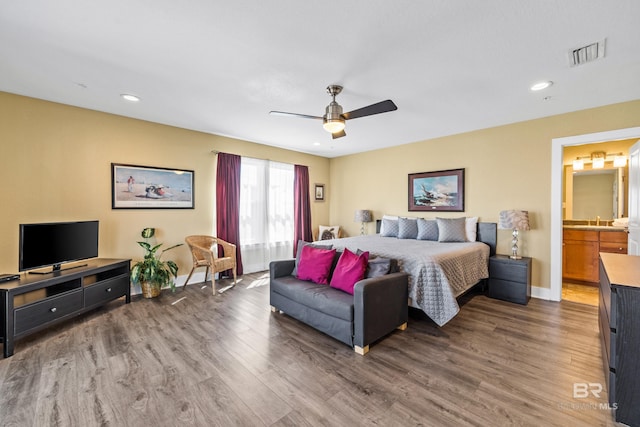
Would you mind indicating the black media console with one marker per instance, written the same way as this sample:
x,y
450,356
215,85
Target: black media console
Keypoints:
x,y
35,302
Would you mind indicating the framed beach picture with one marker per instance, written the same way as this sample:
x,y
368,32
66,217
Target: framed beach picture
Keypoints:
x,y
145,187
437,191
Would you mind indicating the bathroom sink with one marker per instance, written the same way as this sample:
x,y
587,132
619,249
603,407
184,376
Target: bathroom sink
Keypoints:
x,y
595,227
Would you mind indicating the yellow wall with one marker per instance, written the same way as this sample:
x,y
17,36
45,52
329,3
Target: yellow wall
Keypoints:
x,y
56,166
506,167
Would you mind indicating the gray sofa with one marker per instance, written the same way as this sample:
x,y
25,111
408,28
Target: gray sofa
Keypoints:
x,y
378,306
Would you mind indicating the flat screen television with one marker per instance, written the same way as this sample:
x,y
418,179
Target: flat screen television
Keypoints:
x,y
52,244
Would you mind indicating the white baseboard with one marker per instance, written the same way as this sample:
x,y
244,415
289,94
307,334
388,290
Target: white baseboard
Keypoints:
x,y
197,277
541,293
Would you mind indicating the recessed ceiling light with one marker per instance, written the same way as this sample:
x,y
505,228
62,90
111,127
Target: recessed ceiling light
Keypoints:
x,y
316,143
130,97
541,85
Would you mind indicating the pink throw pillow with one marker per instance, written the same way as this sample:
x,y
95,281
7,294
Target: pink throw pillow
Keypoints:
x,y
315,264
349,270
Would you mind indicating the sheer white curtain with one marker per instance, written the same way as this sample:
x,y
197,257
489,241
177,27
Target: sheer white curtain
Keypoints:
x,y
266,213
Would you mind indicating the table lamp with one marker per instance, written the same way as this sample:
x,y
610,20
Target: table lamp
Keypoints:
x,y
362,216
514,220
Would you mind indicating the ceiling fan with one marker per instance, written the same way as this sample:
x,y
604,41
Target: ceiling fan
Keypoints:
x,y
334,119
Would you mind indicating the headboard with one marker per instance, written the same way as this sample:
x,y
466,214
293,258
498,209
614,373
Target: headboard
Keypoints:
x,y
487,234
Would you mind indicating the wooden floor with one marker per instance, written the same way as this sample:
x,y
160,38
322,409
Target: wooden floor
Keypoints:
x,y
227,360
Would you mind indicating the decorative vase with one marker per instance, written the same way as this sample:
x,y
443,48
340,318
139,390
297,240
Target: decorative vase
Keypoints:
x,y
149,290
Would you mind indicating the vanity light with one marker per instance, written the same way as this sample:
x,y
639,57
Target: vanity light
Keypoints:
x,y
598,159
578,164
619,161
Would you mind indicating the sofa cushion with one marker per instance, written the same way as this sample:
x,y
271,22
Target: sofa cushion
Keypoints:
x,y
317,297
377,267
315,264
349,270
301,244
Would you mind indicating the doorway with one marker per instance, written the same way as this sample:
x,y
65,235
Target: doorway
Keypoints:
x,y
557,170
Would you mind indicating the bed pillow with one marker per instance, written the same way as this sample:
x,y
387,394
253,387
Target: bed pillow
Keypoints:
x,y
392,217
452,229
301,244
407,228
427,229
377,267
315,264
389,227
328,232
471,225
349,270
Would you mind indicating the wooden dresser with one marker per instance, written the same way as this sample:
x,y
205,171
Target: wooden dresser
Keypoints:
x,y
619,320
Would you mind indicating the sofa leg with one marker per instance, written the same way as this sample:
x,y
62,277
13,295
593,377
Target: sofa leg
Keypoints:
x,y
403,326
361,350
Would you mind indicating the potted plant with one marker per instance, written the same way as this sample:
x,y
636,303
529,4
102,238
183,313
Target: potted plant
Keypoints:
x,y
152,273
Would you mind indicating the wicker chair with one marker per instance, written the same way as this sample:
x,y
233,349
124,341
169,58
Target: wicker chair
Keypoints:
x,y
204,250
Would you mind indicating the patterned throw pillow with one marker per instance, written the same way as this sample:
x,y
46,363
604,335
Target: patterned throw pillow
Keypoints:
x,y
452,229
389,228
427,229
407,228
328,232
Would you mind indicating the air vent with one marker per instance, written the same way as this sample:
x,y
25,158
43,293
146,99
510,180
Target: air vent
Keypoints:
x,y
585,54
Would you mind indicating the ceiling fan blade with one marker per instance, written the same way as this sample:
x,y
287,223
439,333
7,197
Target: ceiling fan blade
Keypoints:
x,y
370,110
338,134
302,116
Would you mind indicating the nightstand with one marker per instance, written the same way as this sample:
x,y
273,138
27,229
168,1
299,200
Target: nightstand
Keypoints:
x,y
510,279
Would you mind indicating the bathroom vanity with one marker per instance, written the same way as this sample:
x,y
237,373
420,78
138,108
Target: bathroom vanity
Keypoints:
x,y
581,246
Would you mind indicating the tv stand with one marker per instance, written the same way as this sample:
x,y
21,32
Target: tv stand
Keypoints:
x,y
36,302
56,268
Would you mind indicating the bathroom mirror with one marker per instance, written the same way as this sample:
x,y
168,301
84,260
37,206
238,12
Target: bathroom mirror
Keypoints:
x,y
595,193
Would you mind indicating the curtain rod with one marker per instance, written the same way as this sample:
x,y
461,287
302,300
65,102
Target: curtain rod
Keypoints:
x,y
216,152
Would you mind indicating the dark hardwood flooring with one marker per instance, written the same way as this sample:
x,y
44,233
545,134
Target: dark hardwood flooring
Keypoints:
x,y
191,358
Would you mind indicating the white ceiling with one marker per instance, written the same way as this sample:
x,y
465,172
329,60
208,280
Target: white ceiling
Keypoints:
x,y
221,66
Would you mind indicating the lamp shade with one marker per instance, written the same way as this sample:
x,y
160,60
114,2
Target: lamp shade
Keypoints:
x,y
514,220
363,215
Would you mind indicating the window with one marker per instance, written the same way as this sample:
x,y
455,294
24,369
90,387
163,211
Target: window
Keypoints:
x,y
266,213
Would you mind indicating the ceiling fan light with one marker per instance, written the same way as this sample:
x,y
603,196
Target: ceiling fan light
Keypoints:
x,y
333,125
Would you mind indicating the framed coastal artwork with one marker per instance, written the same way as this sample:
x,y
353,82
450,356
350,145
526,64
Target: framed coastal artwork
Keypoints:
x,y
147,187
437,191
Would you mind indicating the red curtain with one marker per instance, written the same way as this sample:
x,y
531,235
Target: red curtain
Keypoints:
x,y
228,203
301,207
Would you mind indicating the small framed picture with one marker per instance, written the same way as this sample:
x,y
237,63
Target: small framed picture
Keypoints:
x,y
320,192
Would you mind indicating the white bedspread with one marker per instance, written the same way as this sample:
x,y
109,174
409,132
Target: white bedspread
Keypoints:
x,y
438,272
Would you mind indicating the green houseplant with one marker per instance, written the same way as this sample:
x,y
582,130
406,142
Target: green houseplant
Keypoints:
x,y
152,273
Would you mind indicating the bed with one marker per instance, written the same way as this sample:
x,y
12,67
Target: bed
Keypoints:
x,y
438,272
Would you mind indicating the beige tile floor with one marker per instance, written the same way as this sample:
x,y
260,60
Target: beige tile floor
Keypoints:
x,y
583,294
